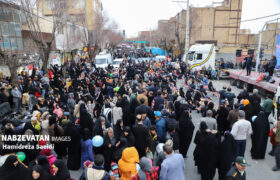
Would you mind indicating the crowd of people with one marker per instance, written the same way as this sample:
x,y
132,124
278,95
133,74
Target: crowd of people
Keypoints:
x,y
143,116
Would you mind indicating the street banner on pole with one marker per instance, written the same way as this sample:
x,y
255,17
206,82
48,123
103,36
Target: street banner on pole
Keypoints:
x,y
277,51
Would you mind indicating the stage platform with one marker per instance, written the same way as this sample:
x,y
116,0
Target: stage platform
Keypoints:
x,y
241,75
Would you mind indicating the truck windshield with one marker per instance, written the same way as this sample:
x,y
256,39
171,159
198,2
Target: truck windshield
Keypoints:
x,y
100,61
117,62
190,56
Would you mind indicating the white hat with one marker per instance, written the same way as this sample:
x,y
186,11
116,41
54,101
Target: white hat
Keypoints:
x,y
35,113
159,147
33,118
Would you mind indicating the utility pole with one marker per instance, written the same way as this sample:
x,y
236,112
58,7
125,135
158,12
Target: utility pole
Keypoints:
x,y
187,38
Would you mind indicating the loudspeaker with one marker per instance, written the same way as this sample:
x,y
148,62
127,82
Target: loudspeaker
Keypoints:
x,y
238,52
251,51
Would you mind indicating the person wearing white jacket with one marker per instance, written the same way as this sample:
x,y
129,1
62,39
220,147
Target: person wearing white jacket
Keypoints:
x,y
117,112
240,131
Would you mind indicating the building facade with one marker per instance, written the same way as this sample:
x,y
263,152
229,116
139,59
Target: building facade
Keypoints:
x,y
11,20
219,25
84,12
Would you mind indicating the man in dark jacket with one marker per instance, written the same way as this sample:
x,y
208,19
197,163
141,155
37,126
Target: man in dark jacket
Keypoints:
x,y
248,63
143,107
222,94
272,65
237,172
141,133
230,97
158,102
243,95
3,97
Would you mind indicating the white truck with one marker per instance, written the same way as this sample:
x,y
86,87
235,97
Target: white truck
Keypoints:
x,y
102,61
200,55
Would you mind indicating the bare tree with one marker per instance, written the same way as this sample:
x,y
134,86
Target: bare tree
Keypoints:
x,y
44,41
95,37
113,38
165,36
14,60
179,41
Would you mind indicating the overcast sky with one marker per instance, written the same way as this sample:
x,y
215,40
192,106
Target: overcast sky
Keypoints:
x,y
138,15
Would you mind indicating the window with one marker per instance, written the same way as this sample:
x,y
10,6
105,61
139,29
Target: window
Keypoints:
x,y
18,30
50,4
13,43
23,19
17,18
1,10
190,56
5,29
7,45
12,29
100,61
198,56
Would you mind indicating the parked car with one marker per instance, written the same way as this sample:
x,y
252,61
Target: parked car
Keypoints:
x,y
117,62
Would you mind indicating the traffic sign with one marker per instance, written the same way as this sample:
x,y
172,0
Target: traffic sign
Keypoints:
x,y
136,42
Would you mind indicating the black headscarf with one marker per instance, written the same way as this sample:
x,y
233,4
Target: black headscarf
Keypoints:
x,y
63,173
9,163
43,175
44,162
52,120
118,130
202,127
130,137
10,172
86,134
85,118
97,130
186,129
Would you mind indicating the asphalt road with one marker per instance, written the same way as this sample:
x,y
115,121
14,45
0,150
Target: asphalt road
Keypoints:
x,y
259,170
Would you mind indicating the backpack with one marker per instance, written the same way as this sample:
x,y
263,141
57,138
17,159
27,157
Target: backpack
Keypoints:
x,y
153,175
171,123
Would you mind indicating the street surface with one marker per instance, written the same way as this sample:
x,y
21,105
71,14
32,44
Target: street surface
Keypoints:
x,y
259,169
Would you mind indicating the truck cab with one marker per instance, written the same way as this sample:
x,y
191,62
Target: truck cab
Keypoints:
x,y
200,55
103,60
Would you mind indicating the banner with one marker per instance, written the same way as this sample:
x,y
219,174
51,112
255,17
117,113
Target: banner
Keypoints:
x,y
277,51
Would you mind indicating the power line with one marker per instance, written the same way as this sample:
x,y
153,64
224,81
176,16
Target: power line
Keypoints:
x,y
263,17
247,20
